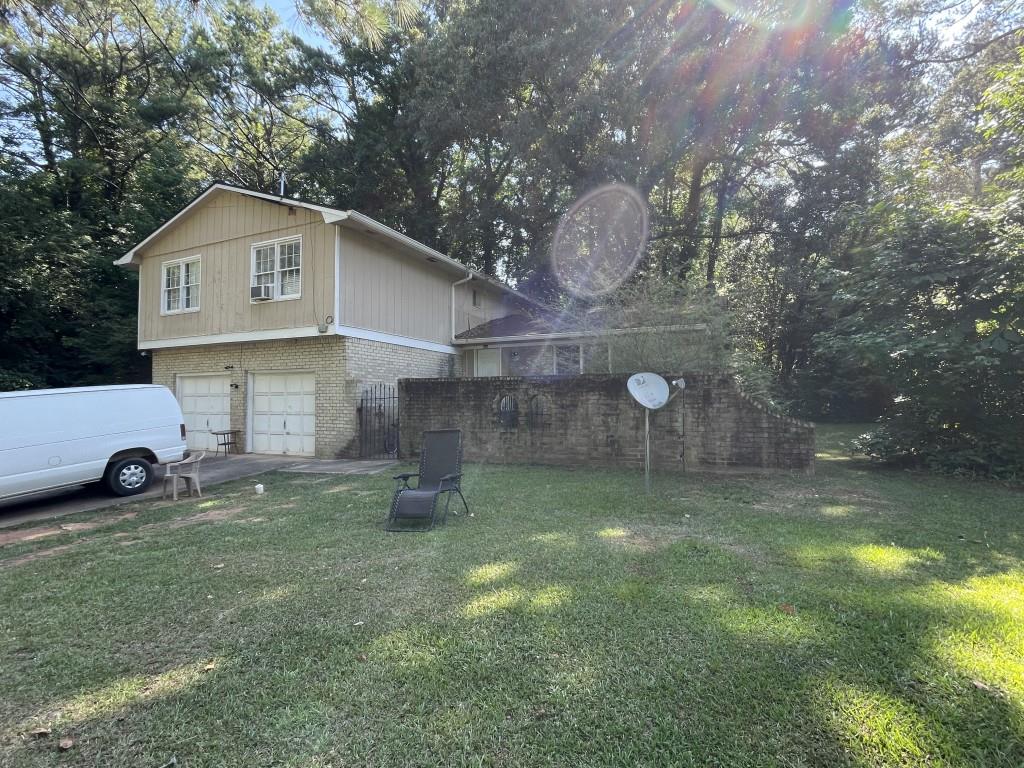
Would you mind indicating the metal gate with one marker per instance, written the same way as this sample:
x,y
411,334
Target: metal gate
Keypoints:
x,y
378,422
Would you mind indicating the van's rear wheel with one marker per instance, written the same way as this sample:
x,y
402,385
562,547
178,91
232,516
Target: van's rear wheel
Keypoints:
x,y
126,477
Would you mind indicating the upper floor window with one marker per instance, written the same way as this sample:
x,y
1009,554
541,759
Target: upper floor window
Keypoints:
x,y
180,286
476,298
278,263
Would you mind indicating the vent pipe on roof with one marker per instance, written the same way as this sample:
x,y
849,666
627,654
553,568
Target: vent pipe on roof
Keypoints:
x,y
282,179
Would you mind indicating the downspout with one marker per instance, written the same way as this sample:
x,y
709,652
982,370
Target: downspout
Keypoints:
x,y
466,279
337,278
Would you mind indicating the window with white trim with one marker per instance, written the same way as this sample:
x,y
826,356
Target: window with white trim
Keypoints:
x,y
180,286
279,264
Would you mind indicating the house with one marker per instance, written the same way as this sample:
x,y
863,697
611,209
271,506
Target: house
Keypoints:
x,y
540,343
269,315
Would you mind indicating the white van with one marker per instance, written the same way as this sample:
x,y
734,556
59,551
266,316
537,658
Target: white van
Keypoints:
x,y
54,438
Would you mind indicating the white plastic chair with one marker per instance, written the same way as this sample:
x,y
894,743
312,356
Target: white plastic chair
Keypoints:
x,y
187,470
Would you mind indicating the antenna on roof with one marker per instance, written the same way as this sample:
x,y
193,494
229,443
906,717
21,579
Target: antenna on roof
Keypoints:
x,y
283,179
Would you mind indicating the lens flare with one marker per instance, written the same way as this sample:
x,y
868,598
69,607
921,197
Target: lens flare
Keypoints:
x,y
771,15
599,242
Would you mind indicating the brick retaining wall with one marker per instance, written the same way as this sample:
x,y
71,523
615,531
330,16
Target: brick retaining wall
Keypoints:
x,y
592,421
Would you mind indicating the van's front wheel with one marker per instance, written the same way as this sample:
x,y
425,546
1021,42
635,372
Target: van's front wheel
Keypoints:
x,y
126,477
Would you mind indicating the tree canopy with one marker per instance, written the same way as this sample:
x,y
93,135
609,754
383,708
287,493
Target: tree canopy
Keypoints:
x,y
841,183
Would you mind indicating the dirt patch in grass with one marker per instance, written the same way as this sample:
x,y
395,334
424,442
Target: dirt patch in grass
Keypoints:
x,y
43,553
42,532
123,539
209,516
337,488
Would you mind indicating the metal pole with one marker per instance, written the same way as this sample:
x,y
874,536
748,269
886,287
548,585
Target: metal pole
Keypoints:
x,y
646,439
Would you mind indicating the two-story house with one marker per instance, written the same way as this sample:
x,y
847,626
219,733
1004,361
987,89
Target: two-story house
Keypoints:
x,y
269,315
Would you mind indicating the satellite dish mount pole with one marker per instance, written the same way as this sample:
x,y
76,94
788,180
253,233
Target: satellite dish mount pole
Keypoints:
x,y
647,450
652,392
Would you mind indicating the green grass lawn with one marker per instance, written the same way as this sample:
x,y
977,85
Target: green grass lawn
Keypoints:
x,y
859,617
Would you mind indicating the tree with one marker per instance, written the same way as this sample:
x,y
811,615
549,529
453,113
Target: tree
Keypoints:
x,y
940,296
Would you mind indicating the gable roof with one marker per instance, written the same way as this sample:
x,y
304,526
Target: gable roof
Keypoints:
x,y
347,218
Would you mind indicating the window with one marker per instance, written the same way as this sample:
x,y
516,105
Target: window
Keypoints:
x,y
279,265
180,286
476,298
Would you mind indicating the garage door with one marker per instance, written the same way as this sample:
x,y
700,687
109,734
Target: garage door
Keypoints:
x,y
283,413
206,404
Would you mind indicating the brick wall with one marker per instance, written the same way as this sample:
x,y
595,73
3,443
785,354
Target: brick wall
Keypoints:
x,y
342,367
377,362
321,355
592,421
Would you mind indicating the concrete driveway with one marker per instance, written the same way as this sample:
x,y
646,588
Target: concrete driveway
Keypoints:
x,y
85,498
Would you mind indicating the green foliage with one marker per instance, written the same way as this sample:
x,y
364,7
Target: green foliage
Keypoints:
x,y
941,294
832,197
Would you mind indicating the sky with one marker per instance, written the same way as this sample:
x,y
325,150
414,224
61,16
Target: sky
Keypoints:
x,y
285,9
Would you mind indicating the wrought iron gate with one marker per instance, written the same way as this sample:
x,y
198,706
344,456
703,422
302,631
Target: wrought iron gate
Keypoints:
x,y
378,422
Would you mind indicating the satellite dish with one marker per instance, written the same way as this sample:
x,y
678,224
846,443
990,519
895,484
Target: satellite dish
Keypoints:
x,y
648,389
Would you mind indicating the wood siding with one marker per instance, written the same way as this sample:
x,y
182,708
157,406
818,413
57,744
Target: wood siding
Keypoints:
x,y
388,289
493,304
391,292
384,287
222,231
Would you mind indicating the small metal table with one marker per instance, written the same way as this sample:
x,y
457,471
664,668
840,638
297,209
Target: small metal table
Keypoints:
x,y
226,439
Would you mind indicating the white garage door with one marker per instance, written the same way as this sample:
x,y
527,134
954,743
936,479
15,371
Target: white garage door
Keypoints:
x,y
206,405
283,413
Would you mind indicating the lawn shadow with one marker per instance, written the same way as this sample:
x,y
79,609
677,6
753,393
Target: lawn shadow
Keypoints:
x,y
543,630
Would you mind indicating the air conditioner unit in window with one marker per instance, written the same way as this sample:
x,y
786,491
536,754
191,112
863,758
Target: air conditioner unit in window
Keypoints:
x,y
261,292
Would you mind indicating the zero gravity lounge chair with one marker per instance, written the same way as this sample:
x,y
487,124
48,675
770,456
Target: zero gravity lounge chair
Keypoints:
x,y
440,473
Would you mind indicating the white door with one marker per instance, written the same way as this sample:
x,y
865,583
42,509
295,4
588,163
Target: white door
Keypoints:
x,y
206,404
488,362
284,413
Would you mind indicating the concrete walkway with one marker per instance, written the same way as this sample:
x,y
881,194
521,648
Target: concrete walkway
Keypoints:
x,y
343,466
215,470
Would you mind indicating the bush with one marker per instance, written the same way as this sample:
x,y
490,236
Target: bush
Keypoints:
x,y
943,295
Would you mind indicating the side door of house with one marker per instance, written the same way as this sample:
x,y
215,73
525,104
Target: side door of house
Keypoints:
x,y
488,362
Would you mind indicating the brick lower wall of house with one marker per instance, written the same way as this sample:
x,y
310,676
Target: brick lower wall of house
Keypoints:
x,y
378,362
592,421
321,355
343,367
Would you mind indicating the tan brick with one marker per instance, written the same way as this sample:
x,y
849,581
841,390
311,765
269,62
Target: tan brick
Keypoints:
x,y
343,367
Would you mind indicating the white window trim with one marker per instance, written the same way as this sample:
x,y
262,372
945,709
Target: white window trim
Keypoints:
x,y
277,266
198,258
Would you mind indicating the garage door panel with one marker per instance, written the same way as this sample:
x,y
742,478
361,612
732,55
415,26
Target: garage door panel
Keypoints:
x,y
206,406
284,413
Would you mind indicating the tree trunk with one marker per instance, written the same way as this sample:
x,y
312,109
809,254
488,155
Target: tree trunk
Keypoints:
x,y
691,216
721,200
